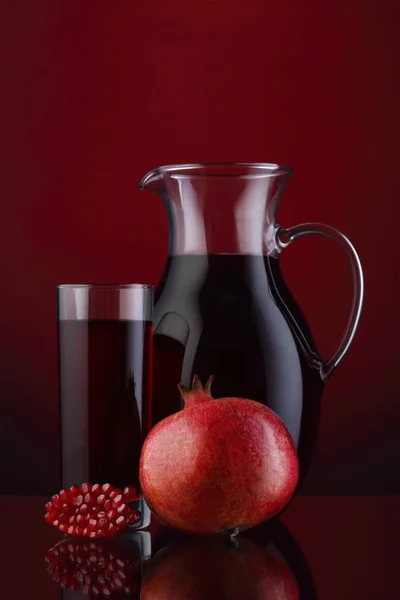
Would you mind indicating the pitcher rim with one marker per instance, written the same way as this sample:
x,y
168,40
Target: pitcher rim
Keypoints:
x,y
264,168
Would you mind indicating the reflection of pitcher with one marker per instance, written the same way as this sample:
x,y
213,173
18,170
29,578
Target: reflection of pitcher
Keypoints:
x,y
222,306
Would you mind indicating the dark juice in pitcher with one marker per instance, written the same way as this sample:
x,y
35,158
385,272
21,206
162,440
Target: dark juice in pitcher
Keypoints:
x,y
105,399
232,316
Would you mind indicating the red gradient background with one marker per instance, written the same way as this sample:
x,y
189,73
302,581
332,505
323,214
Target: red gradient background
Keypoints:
x,y
96,93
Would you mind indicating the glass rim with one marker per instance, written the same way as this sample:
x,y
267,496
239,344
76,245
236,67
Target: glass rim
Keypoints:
x,y
106,286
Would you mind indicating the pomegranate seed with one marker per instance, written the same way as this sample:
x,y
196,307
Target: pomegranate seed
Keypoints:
x,y
88,498
106,590
108,505
86,487
56,501
112,566
93,523
112,515
75,489
86,589
101,499
118,582
114,493
134,517
63,528
107,487
96,489
79,500
71,530
79,576
65,496
130,493
84,509
68,507
120,521
95,590
102,561
117,500
122,509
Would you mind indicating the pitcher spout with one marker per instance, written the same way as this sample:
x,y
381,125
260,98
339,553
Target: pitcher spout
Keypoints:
x,y
152,181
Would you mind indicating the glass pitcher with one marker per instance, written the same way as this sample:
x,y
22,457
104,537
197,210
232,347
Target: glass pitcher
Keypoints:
x,y
222,305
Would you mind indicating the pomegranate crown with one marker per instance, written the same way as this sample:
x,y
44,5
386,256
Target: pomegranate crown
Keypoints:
x,y
197,394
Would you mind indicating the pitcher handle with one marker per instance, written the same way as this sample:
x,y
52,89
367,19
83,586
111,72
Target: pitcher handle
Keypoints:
x,y
284,237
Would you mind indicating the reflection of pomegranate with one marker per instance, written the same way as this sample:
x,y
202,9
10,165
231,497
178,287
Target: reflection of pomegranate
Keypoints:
x,y
99,568
216,568
218,464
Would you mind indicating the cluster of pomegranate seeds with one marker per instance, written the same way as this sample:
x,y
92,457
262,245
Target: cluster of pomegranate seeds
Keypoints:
x,y
92,510
93,568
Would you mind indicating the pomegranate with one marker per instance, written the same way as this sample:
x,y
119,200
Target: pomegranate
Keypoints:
x,y
218,465
216,568
92,510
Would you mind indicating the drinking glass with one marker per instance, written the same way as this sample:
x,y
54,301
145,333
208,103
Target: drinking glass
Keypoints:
x,y
105,357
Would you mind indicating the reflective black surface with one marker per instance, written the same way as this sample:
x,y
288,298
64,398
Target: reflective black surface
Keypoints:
x,y
321,547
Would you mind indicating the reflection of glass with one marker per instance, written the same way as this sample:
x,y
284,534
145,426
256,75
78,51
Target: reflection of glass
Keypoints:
x,y
104,568
105,342
264,562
